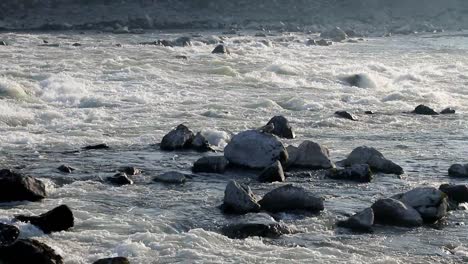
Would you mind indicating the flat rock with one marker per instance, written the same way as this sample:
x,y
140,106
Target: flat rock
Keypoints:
x,y
373,158
8,234
239,199
393,212
259,225
274,173
56,220
356,172
281,127
424,110
17,187
309,155
360,222
116,260
458,170
25,251
171,177
179,138
291,198
98,146
211,164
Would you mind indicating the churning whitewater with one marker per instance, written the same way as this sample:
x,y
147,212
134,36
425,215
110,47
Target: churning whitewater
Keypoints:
x,y
56,98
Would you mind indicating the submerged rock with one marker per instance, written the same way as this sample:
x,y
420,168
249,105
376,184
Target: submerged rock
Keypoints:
x,y
179,138
447,111
254,149
8,235
116,260
291,198
373,158
458,170
359,80
393,212
211,164
221,49
120,178
357,172
98,146
239,199
65,169
430,202
274,173
56,220
281,127
309,155
260,225
360,222
171,177
17,187
424,110
29,251
335,34
346,115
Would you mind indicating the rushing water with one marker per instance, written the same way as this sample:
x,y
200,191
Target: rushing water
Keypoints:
x,y
54,100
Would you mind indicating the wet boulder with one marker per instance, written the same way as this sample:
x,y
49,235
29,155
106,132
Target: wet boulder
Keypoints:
x,y
239,199
116,260
274,173
447,111
395,213
8,234
56,220
356,172
424,110
336,34
346,115
456,193
29,251
221,49
458,170
17,187
211,164
373,158
430,202
65,169
259,225
309,155
200,143
281,127
131,171
171,177
291,198
254,149
97,147
120,179
179,138
360,222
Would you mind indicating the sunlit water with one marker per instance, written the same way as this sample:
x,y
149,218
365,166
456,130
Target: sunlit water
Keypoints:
x,y
54,100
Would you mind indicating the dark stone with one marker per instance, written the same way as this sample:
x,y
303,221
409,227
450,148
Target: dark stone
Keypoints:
x,y
182,57
456,193
76,45
369,112
274,173
65,169
260,225
346,115
360,222
211,164
120,178
373,158
56,220
424,110
291,198
199,143
311,42
221,49
357,172
165,43
393,212
239,199
98,146
131,171
17,187
117,260
448,111
173,177
183,42
27,251
179,138
3,43
458,170
281,127
8,235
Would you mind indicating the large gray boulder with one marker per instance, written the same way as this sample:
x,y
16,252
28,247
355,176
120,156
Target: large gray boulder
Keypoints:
x,y
309,155
29,251
254,149
239,199
360,222
17,187
281,127
430,202
179,138
260,225
458,170
336,34
393,212
274,173
357,172
291,198
211,164
56,220
373,158
8,234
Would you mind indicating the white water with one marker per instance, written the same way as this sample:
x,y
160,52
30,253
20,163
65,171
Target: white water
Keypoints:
x,y
53,100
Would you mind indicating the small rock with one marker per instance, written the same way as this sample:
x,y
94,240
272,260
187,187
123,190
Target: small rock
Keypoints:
x,y
199,143
182,57
56,220
458,170
430,202
221,49
116,260
260,225
239,199
373,158
424,110
353,34
393,212
346,115
183,42
65,169
448,111
274,173
323,42
99,146
17,187
211,164
369,112
76,45
361,222
29,251
336,34
120,178
8,235
309,155
291,198
281,127
131,171
171,177
179,138
357,172
311,42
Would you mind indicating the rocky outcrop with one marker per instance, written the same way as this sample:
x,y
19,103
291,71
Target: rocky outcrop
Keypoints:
x,y
260,225
424,110
8,235
281,127
274,173
335,34
393,212
291,198
346,115
116,260
430,202
120,179
309,155
179,138
211,164
254,149
221,49
373,158
357,172
458,170
171,177
29,251
360,222
239,199
17,187
58,219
